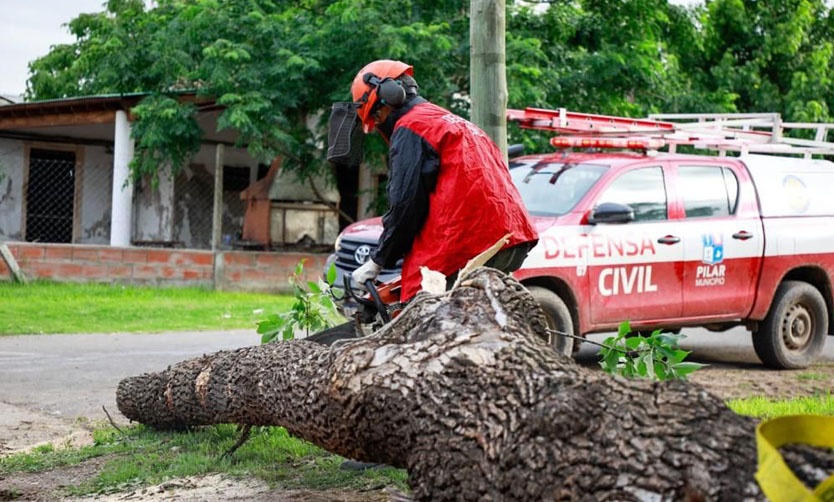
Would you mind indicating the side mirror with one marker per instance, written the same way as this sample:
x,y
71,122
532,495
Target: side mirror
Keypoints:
x,y
611,212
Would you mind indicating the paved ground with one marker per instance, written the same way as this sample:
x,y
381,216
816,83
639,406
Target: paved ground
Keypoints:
x,y
732,348
73,376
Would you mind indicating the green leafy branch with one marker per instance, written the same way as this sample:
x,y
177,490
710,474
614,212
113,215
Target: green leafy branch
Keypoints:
x,y
657,356
312,311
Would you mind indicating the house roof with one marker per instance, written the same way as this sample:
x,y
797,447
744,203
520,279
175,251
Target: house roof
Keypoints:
x,y
9,99
90,119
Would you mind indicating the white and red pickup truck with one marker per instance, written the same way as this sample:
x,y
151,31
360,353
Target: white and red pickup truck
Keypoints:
x,y
669,240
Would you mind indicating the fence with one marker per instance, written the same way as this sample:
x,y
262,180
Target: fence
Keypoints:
x,y
56,213
68,199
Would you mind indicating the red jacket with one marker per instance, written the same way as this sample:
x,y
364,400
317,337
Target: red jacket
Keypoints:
x,y
450,195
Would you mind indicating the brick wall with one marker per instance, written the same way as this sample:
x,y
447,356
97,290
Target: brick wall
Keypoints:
x,y
228,270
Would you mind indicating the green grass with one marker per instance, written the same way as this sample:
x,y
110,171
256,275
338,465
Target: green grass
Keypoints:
x,y
811,376
141,456
47,307
765,408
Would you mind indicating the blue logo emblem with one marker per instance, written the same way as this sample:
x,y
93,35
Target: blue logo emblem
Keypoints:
x,y
713,249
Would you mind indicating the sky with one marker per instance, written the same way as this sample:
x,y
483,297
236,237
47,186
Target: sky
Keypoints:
x,y
28,29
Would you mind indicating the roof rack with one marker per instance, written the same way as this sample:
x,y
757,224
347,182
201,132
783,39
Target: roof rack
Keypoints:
x,y
723,132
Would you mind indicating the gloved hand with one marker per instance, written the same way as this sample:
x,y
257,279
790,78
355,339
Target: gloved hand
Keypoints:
x,y
367,271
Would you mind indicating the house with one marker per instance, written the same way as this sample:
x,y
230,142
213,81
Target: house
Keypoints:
x,y
65,167
64,182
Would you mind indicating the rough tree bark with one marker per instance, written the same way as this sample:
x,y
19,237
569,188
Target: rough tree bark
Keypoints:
x,y
461,392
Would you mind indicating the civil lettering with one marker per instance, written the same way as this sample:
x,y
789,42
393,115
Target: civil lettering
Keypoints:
x,y
628,280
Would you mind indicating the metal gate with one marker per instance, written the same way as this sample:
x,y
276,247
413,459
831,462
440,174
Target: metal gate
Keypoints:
x,y
50,196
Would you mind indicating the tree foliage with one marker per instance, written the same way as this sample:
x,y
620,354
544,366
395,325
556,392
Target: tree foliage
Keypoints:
x,y
271,65
275,64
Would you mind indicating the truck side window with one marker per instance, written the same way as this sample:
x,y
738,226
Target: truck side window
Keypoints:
x,y
641,189
708,191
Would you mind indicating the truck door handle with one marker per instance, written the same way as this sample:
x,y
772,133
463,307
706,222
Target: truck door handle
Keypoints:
x,y
669,239
743,235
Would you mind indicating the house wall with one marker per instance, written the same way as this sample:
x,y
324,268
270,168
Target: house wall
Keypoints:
x,y
11,189
94,177
226,270
96,194
178,211
194,198
153,214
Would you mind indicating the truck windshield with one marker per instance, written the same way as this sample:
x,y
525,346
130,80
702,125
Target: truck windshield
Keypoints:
x,y
553,188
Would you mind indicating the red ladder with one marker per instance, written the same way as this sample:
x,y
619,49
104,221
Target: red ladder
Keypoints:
x,y
741,132
566,122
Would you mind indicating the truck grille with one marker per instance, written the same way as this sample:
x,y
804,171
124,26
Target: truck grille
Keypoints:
x,y
347,253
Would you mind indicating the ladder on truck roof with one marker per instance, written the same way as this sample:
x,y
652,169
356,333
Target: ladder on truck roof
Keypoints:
x,y
740,132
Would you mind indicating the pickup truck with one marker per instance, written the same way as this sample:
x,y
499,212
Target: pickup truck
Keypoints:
x,y
668,240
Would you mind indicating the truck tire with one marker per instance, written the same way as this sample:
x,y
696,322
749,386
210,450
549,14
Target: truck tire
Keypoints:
x,y
558,319
793,333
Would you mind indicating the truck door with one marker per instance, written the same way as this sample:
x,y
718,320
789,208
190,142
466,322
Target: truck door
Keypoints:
x,y
634,269
723,239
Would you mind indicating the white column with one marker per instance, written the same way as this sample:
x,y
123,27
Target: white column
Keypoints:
x,y
122,200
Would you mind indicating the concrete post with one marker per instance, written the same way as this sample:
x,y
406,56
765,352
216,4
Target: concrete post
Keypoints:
x,y
121,221
217,209
488,68
367,189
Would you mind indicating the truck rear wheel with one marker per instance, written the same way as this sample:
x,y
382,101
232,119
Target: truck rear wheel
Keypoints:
x,y
558,319
793,333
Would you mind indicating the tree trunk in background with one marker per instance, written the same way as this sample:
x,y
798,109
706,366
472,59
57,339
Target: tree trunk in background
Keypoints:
x,y
460,391
488,68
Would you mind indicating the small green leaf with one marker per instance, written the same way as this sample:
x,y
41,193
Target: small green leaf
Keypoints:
x,y
312,310
331,274
681,370
634,342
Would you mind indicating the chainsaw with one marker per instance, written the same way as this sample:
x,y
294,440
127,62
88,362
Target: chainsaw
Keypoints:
x,y
376,308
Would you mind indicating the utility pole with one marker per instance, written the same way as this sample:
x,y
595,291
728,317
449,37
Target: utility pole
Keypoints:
x,y
488,68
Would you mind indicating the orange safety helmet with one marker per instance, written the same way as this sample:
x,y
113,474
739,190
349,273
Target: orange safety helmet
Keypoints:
x,y
366,86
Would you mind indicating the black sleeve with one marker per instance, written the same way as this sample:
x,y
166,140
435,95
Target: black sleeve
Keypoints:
x,y
412,174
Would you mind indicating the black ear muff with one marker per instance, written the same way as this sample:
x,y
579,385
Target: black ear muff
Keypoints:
x,y
391,93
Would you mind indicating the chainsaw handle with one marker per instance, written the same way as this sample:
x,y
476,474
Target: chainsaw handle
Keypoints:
x,y
375,301
380,306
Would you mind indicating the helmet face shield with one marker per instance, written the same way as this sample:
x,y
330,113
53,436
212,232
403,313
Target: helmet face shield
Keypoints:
x,y
365,111
345,136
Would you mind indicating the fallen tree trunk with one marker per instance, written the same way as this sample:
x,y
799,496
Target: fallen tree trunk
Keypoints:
x,y
460,391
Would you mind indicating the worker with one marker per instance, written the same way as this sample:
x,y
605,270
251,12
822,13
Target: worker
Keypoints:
x,y
450,193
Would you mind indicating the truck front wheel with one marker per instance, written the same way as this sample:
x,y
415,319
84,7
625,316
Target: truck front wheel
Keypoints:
x,y
793,333
558,319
